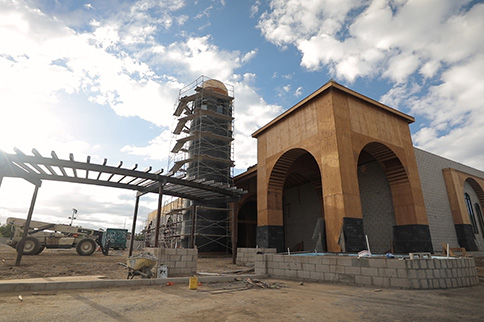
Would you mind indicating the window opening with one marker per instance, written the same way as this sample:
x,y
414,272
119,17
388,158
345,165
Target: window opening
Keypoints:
x,y
470,211
479,217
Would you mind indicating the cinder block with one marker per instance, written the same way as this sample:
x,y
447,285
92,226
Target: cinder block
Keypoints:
x,y
283,265
437,263
412,273
395,263
443,283
424,284
181,264
421,274
303,274
260,270
331,277
352,270
344,261
322,268
380,281
277,258
279,272
328,260
169,251
346,278
360,262
400,282
336,269
402,273
387,272
317,276
363,280
429,273
175,258
290,274
415,284
369,271
309,267
378,262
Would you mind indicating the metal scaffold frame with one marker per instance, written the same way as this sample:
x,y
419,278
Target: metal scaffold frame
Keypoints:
x,y
202,148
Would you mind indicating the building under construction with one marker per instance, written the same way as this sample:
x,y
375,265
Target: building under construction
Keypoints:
x,y
202,151
337,172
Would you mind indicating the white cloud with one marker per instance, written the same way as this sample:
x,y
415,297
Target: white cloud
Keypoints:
x,y
397,40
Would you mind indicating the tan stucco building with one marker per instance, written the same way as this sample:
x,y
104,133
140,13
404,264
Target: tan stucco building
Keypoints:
x,y
339,167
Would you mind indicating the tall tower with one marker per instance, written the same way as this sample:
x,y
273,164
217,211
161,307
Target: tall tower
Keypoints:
x,y
203,151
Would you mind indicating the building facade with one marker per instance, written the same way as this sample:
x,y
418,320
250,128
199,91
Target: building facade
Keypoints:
x,y
339,168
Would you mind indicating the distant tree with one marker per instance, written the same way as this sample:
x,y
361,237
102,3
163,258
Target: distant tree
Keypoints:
x,y
6,230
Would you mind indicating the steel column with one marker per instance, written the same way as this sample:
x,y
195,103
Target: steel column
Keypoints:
x,y
21,244
158,215
133,227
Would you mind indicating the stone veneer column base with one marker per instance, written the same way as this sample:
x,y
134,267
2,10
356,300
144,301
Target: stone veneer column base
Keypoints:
x,y
271,237
465,236
412,239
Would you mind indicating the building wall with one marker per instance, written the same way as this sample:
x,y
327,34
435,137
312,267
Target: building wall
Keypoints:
x,y
439,213
377,207
334,124
302,210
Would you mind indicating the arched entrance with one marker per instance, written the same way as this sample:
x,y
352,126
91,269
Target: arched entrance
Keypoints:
x,y
297,178
473,198
247,224
376,203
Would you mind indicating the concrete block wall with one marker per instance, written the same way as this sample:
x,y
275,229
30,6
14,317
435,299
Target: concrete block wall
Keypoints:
x,y
180,261
246,256
378,272
441,223
377,206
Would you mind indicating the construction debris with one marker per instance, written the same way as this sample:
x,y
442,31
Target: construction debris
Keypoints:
x,y
250,283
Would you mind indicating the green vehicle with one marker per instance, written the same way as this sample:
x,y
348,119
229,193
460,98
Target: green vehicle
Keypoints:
x,y
115,238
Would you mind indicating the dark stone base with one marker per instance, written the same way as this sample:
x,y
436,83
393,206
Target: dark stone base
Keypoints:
x,y
354,235
271,237
412,239
465,236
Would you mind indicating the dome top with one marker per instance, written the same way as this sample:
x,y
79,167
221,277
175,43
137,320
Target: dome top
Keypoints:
x,y
215,85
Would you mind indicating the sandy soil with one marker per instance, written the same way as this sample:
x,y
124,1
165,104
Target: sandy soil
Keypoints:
x,y
233,301
66,262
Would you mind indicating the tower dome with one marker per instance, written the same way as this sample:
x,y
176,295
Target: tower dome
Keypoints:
x,y
215,85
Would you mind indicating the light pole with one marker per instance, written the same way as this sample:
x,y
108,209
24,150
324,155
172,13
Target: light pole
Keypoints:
x,y
74,212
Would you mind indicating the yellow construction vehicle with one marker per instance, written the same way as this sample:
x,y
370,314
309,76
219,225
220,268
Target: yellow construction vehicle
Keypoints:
x,y
43,235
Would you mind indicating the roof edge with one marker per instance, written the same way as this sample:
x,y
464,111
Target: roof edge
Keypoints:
x,y
328,85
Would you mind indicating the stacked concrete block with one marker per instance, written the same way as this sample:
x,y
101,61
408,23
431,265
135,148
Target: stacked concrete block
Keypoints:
x,y
180,261
246,256
379,272
439,214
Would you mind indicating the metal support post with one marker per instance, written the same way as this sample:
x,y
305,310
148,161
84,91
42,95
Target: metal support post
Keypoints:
x,y
133,227
194,222
21,244
158,215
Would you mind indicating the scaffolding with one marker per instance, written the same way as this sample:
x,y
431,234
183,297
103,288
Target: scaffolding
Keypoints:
x,y
202,150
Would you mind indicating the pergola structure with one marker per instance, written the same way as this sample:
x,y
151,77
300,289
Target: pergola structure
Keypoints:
x,y
36,168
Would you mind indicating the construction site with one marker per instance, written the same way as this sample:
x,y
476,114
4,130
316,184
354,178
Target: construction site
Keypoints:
x,y
339,202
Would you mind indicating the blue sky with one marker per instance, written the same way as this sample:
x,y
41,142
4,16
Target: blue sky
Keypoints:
x,y
101,78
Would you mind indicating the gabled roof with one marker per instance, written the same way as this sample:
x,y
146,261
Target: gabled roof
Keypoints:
x,y
329,85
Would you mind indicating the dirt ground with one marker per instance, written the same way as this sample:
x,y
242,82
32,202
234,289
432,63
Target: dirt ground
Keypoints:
x,y
233,301
66,262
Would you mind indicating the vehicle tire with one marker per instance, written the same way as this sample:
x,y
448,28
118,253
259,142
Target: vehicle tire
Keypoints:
x,y
86,247
41,249
31,246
